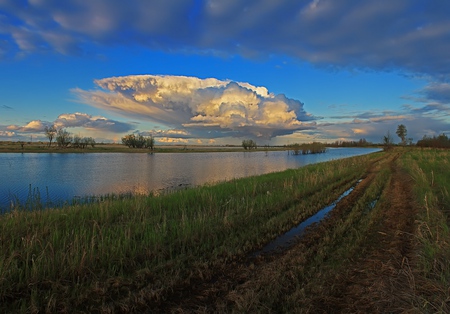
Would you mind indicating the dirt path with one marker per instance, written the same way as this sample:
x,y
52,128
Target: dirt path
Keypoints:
x,y
380,281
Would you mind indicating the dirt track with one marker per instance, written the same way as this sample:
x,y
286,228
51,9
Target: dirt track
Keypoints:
x,y
379,279
382,281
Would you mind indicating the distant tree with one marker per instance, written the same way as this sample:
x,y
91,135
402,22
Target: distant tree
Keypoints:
x,y
387,141
50,132
441,141
249,144
402,132
82,142
89,141
150,142
139,141
63,138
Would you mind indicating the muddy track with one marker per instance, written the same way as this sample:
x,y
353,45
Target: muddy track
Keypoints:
x,y
382,281
377,282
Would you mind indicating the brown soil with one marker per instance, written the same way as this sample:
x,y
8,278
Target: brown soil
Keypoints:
x,y
379,280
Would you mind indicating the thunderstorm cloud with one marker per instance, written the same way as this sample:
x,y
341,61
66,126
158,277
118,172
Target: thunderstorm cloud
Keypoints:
x,y
200,106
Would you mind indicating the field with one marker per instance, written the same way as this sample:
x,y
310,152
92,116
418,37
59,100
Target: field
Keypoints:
x,y
384,248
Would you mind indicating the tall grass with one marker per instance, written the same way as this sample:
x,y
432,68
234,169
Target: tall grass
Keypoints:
x,y
430,169
135,251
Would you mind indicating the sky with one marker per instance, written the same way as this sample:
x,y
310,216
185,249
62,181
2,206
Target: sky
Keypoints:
x,y
216,72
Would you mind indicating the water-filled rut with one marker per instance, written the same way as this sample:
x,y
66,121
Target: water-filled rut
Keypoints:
x,y
289,238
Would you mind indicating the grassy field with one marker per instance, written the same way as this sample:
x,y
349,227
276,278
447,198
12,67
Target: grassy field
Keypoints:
x,y
189,250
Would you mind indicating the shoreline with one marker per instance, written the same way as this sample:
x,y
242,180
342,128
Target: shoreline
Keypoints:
x,y
15,147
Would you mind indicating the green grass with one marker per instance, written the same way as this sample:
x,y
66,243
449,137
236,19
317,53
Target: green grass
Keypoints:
x,y
430,169
291,285
135,251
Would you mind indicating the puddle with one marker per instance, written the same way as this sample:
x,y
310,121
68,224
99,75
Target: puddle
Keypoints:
x,y
287,239
372,204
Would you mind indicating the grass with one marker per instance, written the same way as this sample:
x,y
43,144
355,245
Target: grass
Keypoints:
x,y
138,253
83,256
430,169
293,282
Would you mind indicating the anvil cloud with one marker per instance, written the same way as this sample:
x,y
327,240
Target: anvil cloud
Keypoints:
x,y
200,105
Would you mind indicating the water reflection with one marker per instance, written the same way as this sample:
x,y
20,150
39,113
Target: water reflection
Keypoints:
x,y
66,176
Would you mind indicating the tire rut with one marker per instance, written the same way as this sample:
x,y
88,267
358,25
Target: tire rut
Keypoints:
x,y
217,291
382,281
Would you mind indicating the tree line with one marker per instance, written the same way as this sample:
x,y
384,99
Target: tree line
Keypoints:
x,y
138,141
65,139
440,141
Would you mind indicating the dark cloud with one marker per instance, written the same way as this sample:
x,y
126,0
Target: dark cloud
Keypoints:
x,y
438,92
411,35
6,107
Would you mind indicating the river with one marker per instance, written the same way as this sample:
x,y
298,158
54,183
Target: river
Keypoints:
x,y
60,177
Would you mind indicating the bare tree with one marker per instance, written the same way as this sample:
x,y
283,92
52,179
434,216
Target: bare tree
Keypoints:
x,y
50,132
387,141
63,138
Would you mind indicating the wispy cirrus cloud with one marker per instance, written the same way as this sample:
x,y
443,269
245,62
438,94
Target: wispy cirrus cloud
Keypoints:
x,y
362,34
200,107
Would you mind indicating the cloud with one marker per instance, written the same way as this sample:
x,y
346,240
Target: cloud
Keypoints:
x,y
6,107
30,127
172,133
7,134
437,92
430,119
361,34
436,99
98,123
201,107
73,120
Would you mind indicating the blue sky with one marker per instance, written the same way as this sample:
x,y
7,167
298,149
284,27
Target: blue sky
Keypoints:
x,y
218,72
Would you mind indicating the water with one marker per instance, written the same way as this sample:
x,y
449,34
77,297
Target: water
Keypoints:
x,y
287,239
63,177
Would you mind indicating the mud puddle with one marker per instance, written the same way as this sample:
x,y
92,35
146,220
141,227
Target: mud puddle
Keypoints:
x,y
289,238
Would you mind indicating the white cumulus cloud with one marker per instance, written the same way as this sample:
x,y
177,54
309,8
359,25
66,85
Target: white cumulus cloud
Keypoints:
x,y
200,105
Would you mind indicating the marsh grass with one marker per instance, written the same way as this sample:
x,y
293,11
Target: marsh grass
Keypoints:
x,y
430,169
137,250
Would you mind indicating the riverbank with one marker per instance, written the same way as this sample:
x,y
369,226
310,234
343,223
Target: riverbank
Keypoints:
x,y
190,250
40,147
